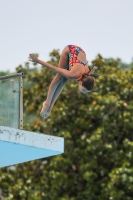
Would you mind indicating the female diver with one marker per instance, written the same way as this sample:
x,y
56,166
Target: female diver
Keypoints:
x,y
72,65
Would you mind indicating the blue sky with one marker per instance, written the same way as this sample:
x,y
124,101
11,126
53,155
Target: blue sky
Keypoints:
x,y
39,26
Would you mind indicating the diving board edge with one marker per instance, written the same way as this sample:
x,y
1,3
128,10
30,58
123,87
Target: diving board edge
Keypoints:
x,y
28,138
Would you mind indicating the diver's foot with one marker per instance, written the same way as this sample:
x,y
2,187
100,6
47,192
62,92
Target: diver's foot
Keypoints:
x,y
48,113
44,109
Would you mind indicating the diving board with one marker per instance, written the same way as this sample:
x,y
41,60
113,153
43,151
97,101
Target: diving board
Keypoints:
x,y
18,146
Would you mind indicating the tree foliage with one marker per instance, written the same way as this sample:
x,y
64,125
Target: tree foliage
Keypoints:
x,y
97,127
4,73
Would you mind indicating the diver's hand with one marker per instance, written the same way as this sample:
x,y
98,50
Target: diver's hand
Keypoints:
x,y
33,58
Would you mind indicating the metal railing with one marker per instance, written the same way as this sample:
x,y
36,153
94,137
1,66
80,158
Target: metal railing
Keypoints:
x,y
12,76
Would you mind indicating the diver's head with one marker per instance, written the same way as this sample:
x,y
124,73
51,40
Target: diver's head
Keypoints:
x,y
86,84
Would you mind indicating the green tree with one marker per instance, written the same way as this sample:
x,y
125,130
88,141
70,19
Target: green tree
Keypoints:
x,y
97,127
4,73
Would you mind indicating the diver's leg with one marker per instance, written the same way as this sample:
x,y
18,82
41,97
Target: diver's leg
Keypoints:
x,y
55,96
63,63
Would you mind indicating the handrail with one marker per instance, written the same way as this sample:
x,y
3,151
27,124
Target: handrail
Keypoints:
x,y
11,76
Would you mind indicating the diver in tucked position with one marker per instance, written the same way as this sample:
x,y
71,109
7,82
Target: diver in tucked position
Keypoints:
x,y
72,65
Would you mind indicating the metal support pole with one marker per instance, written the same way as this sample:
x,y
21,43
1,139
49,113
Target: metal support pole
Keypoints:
x,y
21,103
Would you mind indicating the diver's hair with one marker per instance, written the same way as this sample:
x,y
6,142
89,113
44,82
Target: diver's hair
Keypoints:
x,y
88,78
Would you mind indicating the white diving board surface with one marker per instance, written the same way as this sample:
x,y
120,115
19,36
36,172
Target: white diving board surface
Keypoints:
x,y
18,146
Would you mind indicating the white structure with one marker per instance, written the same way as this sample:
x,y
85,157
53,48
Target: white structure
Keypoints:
x,y
17,146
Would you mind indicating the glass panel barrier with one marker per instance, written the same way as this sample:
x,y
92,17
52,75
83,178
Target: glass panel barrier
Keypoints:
x,y
11,102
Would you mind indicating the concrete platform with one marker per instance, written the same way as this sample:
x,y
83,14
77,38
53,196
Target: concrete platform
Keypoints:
x,y
18,146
